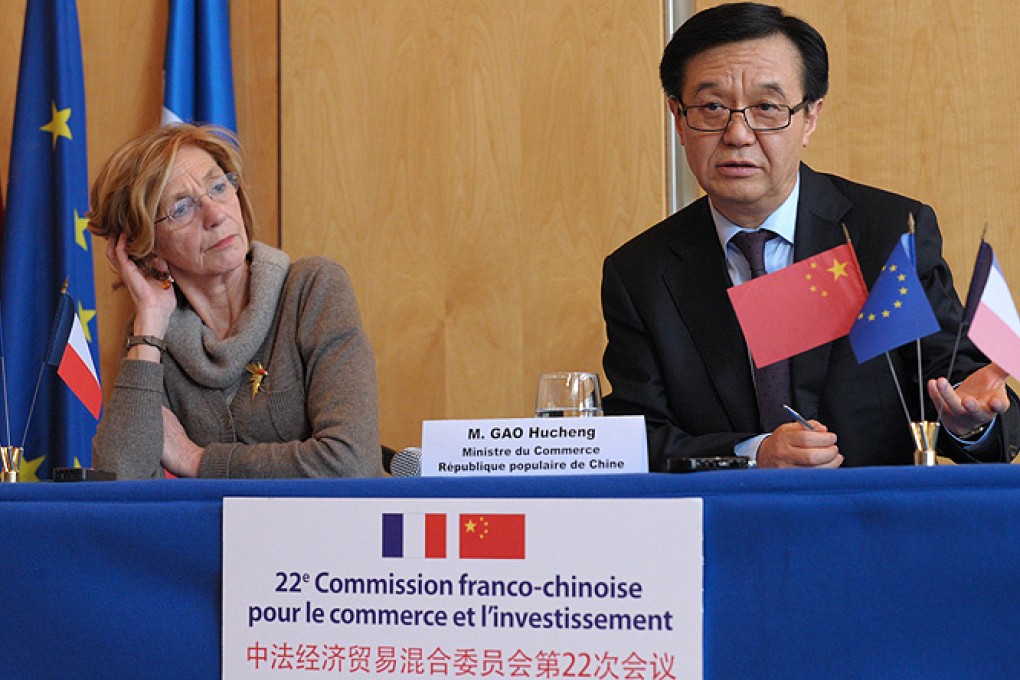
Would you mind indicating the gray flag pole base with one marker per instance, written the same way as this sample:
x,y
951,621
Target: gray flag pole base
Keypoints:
x,y
924,433
11,457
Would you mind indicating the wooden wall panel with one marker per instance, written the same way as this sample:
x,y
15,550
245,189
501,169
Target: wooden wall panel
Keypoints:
x,y
254,40
12,19
470,163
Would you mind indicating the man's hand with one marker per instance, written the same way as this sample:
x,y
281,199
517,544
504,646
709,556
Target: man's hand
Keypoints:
x,y
977,400
791,445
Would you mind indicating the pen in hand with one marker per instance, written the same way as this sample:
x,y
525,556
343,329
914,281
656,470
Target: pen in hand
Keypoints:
x,y
798,417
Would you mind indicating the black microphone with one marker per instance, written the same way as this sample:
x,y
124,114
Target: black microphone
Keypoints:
x,y
406,463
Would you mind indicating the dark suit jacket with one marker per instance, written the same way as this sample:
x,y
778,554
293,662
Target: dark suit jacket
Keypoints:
x,y
677,356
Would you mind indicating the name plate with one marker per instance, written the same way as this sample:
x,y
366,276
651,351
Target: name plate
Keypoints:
x,y
534,446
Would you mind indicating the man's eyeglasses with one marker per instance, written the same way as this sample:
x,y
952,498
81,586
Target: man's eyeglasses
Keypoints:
x,y
182,211
763,117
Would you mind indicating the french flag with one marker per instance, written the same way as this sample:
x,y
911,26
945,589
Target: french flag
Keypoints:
x,y
990,315
69,352
414,535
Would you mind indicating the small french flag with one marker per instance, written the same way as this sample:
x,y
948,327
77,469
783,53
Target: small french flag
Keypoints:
x,y
410,535
991,315
69,352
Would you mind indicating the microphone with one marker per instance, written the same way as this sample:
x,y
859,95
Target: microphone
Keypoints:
x,y
406,463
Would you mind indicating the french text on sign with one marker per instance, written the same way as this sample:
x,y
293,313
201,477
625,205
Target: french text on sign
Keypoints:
x,y
534,446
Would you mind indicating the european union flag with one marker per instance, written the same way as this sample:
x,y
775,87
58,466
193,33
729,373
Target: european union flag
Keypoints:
x,y
897,309
45,241
198,73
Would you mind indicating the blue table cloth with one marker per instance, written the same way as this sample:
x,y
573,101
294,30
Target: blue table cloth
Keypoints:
x,y
866,573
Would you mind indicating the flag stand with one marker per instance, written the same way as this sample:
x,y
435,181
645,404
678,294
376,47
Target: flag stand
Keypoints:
x,y
925,433
11,456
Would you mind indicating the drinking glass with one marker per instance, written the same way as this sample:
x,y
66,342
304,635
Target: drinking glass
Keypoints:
x,y
568,394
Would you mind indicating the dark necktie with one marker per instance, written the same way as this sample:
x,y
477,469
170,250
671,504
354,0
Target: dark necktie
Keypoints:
x,y
771,382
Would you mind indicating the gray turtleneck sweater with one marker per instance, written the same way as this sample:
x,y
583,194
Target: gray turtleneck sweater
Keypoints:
x,y
315,414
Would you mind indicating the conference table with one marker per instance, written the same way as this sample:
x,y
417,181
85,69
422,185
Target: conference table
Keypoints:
x,y
857,573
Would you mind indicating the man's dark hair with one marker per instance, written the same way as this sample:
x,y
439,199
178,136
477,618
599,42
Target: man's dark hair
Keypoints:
x,y
737,22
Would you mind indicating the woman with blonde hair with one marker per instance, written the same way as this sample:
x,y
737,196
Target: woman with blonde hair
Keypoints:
x,y
239,362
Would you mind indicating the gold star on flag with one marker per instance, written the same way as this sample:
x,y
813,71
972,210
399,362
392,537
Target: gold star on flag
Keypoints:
x,y
58,126
80,225
469,526
901,277
892,268
897,304
29,471
885,313
903,291
86,316
838,269
871,317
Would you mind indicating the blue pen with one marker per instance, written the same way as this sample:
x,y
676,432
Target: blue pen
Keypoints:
x,y
798,417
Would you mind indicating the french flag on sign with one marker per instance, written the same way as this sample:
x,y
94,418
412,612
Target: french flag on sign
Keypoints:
x,y
411,535
69,352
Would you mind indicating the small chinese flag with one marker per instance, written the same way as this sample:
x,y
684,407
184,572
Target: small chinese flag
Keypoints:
x,y
492,537
800,307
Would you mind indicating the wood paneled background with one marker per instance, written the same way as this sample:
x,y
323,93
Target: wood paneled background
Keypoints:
x,y
472,161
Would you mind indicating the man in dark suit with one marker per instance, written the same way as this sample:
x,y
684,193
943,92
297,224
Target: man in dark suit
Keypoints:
x,y
746,85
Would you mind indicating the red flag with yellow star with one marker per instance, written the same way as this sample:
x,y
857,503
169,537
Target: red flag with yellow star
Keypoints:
x,y
800,307
492,537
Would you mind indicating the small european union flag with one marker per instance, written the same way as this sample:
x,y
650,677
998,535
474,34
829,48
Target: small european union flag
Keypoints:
x,y
897,309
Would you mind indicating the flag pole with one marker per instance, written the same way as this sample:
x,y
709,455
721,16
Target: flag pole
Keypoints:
x,y
964,323
924,433
917,341
892,371
3,379
3,362
899,389
53,346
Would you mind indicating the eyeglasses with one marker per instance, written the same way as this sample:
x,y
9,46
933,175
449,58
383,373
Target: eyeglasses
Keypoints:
x,y
182,211
763,117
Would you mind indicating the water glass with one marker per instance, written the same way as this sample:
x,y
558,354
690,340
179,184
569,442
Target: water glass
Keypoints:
x,y
568,394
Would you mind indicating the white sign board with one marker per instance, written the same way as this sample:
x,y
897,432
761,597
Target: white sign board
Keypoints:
x,y
534,446
453,588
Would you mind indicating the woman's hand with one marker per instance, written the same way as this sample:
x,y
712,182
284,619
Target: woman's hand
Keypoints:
x,y
154,302
181,456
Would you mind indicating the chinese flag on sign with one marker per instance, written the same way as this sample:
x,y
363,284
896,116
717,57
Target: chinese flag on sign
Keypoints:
x,y
800,307
492,537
